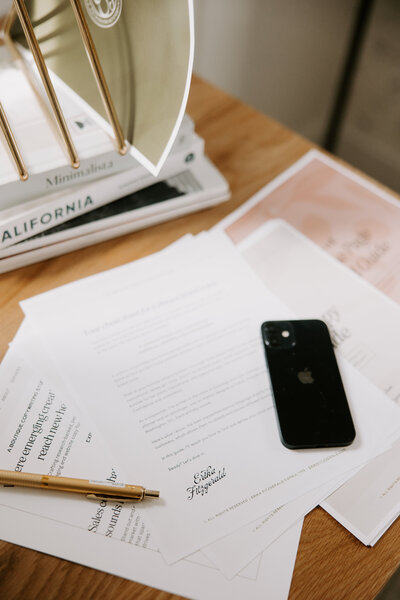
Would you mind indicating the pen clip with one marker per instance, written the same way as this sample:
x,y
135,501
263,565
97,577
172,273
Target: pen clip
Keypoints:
x,y
109,497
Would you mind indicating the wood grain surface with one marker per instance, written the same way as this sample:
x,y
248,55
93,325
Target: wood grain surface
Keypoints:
x,y
250,150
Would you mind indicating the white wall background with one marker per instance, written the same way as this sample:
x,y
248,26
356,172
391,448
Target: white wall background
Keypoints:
x,y
284,57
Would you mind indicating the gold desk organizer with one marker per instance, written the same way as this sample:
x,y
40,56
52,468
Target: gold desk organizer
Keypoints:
x,y
18,9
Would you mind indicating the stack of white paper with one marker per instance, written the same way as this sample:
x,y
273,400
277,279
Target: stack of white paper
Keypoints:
x,y
366,326
154,373
107,536
356,222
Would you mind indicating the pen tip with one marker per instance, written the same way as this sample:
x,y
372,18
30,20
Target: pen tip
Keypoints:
x,y
152,493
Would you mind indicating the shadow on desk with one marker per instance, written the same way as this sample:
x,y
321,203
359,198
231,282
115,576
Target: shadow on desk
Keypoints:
x,y
391,591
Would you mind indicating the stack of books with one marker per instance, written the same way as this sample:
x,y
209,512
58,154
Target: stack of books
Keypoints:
x,y
61,208
51,223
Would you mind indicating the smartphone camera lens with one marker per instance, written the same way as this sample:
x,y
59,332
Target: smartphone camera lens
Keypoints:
x,y
278,335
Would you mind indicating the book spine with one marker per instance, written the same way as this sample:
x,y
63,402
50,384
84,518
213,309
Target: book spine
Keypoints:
x,y
82,199
59,179
70,245
56,180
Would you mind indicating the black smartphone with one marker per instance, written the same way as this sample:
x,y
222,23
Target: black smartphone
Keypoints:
x,y
309,396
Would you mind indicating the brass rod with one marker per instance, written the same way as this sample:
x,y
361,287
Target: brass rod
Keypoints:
x,y
99,75
28,74
12,144
44,74
27,71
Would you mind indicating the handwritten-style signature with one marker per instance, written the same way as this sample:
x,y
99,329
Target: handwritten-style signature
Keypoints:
x,y
203,480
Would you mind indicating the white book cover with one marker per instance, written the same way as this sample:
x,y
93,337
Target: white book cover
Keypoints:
x,y
197,187
22,222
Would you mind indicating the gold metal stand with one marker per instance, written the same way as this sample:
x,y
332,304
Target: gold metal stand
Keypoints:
x,y
12,144
44,74
4,124
19,9
27,71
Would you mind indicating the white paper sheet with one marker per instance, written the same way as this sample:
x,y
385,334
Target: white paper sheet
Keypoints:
x,y
103,535
186,578
369,503
167,357
365,326
341,211
232,552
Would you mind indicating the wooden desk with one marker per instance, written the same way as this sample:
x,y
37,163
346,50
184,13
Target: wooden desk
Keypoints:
x,y
250,150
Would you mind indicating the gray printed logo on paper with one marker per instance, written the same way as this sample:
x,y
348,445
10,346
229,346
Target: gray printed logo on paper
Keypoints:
x,y
104,13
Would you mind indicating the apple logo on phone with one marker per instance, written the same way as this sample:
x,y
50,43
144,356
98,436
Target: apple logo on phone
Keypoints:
x,y
305,376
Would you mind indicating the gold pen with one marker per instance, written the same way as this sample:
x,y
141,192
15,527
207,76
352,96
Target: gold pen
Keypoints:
x,y
97,490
